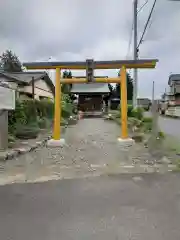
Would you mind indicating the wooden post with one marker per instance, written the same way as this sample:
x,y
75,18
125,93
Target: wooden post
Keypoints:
x,y
123,92
57,113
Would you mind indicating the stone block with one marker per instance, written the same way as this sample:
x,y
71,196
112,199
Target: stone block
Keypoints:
x,y
56,143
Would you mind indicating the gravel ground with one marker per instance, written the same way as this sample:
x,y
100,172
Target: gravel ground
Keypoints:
x,y
91,149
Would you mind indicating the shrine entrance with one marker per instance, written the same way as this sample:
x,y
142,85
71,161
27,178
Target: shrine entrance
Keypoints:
x,y
90,65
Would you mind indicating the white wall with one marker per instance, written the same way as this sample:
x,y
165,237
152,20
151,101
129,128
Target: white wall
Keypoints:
x,y
41,89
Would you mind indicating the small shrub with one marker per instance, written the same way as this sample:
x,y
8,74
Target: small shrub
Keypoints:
x,y
129,111
134,122
138,113
161,135
26,132
43,123
17,115
67,108
30,110
147,119
147,126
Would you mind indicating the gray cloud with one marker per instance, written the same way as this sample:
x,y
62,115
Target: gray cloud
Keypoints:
x,y
74,30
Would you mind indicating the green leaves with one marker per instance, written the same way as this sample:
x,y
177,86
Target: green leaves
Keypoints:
x,y
10,62
129,88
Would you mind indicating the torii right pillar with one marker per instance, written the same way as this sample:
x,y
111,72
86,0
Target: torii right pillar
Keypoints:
x,y
124,118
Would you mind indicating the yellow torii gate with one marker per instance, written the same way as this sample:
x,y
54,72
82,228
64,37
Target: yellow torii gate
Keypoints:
x,y
116,64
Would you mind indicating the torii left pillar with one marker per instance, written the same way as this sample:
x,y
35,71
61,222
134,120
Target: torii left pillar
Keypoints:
x,y
57,141
124,139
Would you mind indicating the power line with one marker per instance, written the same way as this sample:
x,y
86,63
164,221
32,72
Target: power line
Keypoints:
x,y
146,25
132,28
130,40
142,6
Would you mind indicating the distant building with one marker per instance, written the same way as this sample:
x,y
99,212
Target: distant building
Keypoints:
x,y
174,88
144,103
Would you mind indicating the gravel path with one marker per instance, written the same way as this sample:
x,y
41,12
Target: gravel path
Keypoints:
x,y
92,149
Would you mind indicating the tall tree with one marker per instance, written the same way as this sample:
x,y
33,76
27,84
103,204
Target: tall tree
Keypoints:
x,y
110,88
66,88
129,87
10,62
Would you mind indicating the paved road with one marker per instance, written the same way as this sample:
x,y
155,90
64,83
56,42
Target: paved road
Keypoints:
x,y
109,207
170,126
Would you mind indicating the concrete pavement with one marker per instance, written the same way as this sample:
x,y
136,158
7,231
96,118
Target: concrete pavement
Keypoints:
x,y
136,207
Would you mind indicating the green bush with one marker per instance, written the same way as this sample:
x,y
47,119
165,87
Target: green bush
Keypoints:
x,y
43,123
26,132
129,110
147,119
45,108
161,135
41,112
30,110
147,123
134,122
138,113
16,116
147,126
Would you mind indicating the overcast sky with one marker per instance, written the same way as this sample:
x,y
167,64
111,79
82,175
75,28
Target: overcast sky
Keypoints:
x,y
72,30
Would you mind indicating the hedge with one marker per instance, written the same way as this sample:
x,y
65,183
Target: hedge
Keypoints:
x,y
133,112
34,111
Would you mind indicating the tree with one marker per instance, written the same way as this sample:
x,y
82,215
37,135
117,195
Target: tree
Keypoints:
x,y
10,62
110,88
129,88
66,88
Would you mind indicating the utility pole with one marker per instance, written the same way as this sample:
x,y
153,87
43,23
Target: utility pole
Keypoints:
x,y
153,92
135,55
154,114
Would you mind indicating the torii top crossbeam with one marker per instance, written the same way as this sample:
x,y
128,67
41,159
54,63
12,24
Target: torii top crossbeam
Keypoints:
x,y
116,64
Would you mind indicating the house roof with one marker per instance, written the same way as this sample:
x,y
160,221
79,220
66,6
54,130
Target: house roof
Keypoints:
x,y
90,88
26,78
174,77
